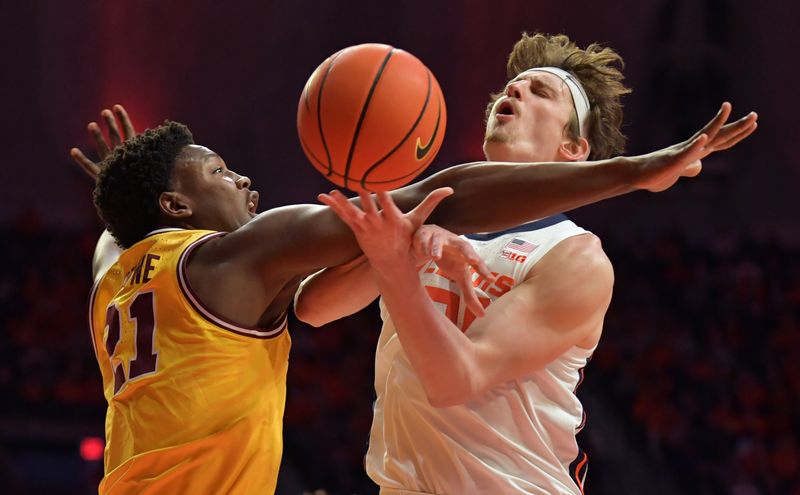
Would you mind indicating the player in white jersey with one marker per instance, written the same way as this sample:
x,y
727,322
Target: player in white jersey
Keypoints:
x,y
486,405
495,442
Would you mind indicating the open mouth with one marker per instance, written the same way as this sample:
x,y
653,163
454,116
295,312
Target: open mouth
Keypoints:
x,y
252,202
505,107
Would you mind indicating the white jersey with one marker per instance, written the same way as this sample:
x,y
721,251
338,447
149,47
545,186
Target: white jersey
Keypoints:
x,y
519,437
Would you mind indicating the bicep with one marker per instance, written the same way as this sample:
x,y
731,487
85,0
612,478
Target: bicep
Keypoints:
x,y
558,307
292,240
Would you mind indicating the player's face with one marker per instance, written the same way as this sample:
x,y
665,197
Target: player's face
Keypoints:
x,y
529,123
219,198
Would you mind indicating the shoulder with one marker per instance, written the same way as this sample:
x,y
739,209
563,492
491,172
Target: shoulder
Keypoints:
x,y
577,255
576,274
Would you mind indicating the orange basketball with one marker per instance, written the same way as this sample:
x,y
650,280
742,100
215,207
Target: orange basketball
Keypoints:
x,y
371,117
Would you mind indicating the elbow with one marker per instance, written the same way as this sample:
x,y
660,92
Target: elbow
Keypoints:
x,y
311,321
446,400
303,310
452,396
449,395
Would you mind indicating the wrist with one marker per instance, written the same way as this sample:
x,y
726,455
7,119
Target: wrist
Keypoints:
x,y
400,270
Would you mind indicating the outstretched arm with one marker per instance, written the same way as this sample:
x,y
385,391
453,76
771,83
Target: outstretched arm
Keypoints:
x,y
493,196
106,251
489,196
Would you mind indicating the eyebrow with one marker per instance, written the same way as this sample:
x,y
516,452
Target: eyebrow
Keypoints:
x,y
539,81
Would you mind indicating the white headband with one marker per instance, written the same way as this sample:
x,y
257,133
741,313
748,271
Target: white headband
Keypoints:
x,y
579,99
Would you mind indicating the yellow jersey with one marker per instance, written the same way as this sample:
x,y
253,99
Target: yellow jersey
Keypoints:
x,y
195,403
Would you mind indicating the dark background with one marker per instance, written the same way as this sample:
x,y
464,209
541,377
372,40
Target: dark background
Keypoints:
x,y
694,387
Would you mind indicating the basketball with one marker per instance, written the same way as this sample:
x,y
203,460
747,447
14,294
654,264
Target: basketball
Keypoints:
x,y
371,117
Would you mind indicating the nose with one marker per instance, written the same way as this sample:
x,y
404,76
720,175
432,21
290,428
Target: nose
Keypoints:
x,y
243,182
514,89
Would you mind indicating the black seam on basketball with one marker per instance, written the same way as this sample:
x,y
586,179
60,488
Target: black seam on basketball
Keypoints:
x,y
427,148
410,131
319,112
341,176
364,113
387,181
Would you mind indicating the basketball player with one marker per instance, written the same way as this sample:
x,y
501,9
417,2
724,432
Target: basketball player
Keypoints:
x,y
487,405
189,321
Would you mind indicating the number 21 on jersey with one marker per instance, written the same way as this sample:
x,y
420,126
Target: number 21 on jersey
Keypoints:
x,y
140,317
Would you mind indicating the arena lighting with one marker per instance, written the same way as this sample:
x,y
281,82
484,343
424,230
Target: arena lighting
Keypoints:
x,y
92,448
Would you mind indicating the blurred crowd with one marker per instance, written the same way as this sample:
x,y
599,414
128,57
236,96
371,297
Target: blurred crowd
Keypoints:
x,y
700,357
701,353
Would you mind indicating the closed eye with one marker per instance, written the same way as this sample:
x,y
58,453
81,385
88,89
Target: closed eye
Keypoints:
x,y
539,89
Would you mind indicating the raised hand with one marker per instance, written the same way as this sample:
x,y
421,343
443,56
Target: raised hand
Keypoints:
x,y
384,235
455,257
659,170
101,145
392,240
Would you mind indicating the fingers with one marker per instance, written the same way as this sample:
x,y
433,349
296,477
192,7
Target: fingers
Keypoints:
x,y
421,244
344,209
367,204
468,293
714,125
100,144
423,210
734,133
479,265
128,131
467,252
693,150
387,203
113,130
88,166
437,246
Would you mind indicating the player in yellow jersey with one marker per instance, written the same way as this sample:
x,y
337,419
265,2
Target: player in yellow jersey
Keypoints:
x,y
189,321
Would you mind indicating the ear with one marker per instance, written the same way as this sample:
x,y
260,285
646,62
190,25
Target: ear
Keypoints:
x,y
574,151
174,205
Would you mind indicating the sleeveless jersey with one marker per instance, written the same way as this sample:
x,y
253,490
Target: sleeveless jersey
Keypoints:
x,y
195,403
518,437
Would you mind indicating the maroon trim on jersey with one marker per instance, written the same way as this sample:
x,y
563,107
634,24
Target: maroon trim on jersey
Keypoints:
x,y
211,316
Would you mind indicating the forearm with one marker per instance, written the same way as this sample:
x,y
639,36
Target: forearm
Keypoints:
x,y
336,292
440,353
492,196
106,253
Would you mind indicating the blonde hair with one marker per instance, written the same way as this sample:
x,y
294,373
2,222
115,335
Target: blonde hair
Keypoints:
x,y
599,71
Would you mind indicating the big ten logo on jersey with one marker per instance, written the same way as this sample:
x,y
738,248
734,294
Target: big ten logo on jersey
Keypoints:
x,y
140,273
511,255
451,303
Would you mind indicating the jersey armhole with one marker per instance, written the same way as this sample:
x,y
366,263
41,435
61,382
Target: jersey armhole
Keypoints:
x,y
208,314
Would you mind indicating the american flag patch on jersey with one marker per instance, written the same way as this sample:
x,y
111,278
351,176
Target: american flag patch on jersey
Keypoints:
x,y
520,245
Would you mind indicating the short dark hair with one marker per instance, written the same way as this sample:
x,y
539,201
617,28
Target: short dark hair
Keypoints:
x,y
600,71
133,177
